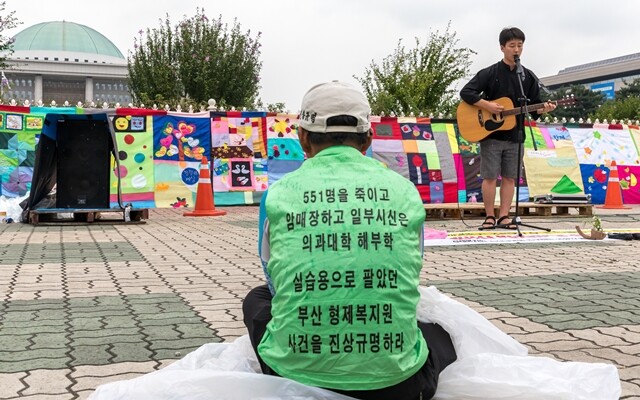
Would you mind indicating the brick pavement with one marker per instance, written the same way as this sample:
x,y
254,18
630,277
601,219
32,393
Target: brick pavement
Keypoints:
x,y
84,305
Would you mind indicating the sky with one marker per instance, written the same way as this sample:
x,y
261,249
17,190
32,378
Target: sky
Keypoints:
x,y
306,42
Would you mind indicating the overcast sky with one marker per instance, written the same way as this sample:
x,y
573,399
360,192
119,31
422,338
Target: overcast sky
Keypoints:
x,y
305,42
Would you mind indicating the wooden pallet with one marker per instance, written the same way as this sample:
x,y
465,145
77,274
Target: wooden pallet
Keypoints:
x,y
455,210
51,216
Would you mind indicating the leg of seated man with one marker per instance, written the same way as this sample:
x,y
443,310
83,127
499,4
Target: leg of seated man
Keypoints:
x,y
256,309
441,355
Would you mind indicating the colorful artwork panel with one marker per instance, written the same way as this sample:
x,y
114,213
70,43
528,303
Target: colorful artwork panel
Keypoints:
x,y
131,123
136,170
425,193
279,168
394,161
14,122
15,181
594,180
388,146
446,131
436,192
176,183
534,134
635,136
451,192
236,137
17,147
415,131
601,144
558,133
472,179
418,170
34,122
386,129
435,175
226,152
220,176
282,126
285,149
180,138
241,174
629,176
557,171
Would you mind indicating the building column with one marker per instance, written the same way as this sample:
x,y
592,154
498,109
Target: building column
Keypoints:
x,y
37,89
88,90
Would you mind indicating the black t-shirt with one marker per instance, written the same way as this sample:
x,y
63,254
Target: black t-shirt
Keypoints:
x,y
496,81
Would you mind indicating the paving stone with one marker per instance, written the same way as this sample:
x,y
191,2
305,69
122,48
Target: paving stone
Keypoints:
x,y
131,352
103,333
632,375
194,330
44,397
112,369
117,322
167,332
15,342
10,384
33,359
30,328
190,343
91,382
48,382
49,340
90,355
113,337
85,323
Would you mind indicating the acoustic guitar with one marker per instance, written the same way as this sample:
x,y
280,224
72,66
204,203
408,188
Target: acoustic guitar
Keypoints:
x,y
475,124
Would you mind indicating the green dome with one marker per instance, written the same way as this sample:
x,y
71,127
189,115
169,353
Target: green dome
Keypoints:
x,y
64,36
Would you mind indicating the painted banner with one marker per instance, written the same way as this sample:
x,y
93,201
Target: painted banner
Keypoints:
x,y
159,156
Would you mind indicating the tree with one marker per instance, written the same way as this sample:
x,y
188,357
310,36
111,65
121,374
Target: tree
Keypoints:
x,y
631,90
419,79
587,102
8,21
196,60
627,108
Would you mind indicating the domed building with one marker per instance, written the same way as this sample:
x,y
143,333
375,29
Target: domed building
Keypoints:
x,y
65,61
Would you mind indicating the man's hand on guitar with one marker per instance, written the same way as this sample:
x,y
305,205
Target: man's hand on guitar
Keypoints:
x,y
490,106
548,107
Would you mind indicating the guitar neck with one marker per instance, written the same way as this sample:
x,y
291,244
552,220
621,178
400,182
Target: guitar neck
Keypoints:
x,y
529,108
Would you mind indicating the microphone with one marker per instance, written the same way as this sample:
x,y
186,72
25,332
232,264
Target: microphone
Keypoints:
x,y
519,69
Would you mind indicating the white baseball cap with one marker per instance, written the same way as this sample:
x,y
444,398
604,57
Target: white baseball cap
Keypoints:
x,y
331,99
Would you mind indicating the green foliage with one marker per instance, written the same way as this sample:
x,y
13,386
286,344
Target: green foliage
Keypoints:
x,y
627,108
631,90
196,60
276,107
418,79
8,21
587,102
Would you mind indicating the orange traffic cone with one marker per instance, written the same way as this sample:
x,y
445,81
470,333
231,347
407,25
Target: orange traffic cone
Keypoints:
x,y
204,196
613,197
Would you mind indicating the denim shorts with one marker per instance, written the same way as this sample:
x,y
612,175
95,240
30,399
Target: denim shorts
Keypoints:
x,y
499,158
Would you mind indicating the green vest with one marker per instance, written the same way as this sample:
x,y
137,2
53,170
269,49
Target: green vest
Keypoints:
x,y
345,261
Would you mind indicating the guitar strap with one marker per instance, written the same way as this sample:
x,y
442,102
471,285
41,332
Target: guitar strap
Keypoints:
x,y
540,84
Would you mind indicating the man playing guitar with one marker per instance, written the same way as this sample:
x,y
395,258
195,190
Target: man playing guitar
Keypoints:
x,y
499,150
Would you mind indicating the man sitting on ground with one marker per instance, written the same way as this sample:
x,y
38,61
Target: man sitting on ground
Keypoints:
x,y
341,243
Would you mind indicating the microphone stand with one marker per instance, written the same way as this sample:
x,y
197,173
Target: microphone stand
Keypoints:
x,y
520,135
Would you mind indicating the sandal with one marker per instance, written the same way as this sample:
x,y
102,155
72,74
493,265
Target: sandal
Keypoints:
x,y
505,225
489,223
